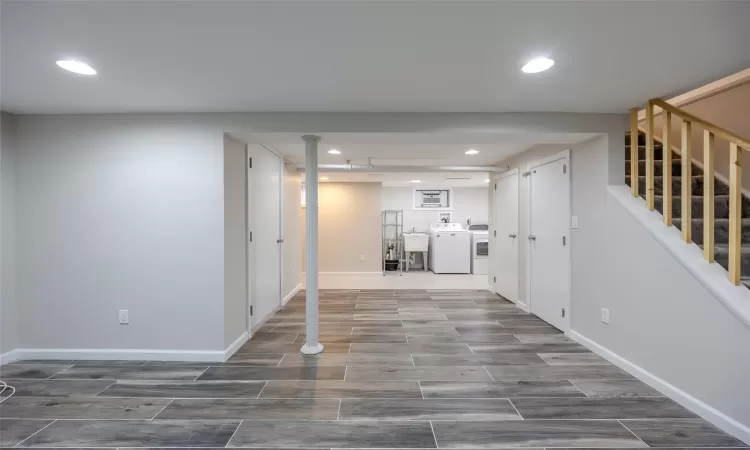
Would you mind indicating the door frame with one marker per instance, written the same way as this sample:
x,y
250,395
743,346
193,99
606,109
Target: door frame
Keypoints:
x,y
248,228
281,222
530,166
249,254
493,237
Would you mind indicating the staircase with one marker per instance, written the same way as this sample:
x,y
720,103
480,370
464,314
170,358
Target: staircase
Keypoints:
x,y
721,202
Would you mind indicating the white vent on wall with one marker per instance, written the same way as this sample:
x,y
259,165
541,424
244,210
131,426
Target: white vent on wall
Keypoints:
x,y
433,199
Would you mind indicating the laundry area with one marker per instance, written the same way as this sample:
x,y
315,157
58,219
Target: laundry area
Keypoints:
x,y
436,228
421,210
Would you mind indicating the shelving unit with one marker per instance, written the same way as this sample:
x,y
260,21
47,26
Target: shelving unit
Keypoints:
x,y
393,228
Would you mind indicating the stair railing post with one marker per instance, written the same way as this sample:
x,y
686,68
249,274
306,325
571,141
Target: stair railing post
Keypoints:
x,y
649,156
687,182
735,213
634,151
666,168
708,196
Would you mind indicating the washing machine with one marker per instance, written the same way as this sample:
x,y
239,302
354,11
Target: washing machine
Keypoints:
x,y
480,249
449,248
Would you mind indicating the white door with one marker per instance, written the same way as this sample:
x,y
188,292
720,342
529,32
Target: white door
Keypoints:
x,y
505,234
265,180
549,241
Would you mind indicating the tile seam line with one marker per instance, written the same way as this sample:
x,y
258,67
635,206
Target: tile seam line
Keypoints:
x,y
433,435
35,433
235,432
162,410
631,432
261,389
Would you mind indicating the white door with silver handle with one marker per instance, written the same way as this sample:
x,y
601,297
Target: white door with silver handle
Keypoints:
x,y
504,261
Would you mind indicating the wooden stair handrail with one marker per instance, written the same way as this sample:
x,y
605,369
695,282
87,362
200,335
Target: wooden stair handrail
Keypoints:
x,y
715,129
736,145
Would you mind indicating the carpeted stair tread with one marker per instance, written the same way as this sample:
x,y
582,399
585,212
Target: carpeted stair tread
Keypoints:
x,y
721,206
721,255
658,167
696,185
721,230
721,202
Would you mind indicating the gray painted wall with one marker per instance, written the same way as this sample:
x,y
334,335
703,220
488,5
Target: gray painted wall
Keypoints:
x,y
120,213
9,331
126,211
663,318
235,240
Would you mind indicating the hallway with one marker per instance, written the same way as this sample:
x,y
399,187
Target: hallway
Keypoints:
x,y
401,369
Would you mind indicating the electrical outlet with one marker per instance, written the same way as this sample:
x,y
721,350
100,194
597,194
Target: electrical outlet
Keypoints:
x,y
123,315
361,257
605,315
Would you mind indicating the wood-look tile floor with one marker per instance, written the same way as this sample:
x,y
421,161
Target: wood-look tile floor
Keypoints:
x,y
401,369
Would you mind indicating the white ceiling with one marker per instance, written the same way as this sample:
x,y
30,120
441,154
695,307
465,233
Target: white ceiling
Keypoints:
x,y
411,149
427,180
453,56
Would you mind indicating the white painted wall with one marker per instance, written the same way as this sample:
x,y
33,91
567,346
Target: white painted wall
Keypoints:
x,y
292,233
235,240
469,203
9,332
120,212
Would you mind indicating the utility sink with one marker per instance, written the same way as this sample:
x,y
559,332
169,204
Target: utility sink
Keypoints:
x,y
415,242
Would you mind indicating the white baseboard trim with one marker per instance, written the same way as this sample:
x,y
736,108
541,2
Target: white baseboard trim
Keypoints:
x,y
118,353
291,294
234,346
705,411
9,356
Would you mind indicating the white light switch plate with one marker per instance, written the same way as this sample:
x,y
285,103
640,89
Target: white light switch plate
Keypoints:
x,y
574,222
123,315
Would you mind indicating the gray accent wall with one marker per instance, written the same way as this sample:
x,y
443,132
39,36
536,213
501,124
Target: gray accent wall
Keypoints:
x,y
9,330
120,212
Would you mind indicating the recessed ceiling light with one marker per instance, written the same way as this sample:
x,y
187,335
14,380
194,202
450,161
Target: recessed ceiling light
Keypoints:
x,y
472,151
537,65
81,68
333,151
323,178
416,181
486,180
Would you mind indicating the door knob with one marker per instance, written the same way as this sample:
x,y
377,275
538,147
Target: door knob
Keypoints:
x,y
279,241
512,235
532,237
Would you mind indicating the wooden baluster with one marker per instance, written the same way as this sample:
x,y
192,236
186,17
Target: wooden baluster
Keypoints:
x,y
687,182
650,156
708,196
666,168
634,151
735,213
